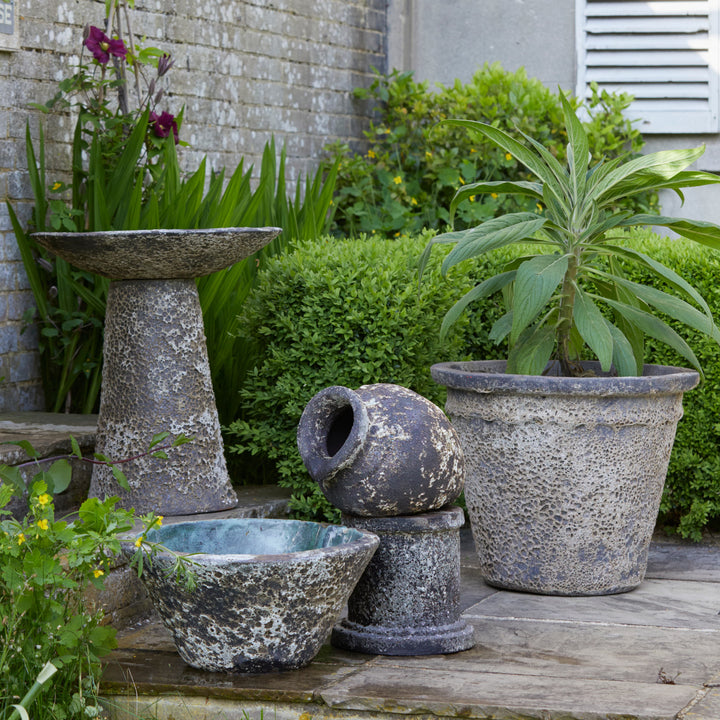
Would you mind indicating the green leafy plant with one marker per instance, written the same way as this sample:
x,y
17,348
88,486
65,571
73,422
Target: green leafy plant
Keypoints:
x,y
48,631
331,312
125,175
412,168
553,294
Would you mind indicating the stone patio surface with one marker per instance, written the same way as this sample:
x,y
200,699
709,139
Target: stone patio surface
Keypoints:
x,y
651,654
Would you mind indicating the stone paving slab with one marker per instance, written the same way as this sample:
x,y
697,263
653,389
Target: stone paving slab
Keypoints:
x,y
652,654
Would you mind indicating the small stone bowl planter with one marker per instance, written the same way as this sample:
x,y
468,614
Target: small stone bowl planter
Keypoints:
x,y
268,591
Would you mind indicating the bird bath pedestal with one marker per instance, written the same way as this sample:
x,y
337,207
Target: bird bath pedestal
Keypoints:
x,y
156,376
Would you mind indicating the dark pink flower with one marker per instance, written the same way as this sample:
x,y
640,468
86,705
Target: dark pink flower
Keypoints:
x,y
102,47
163,124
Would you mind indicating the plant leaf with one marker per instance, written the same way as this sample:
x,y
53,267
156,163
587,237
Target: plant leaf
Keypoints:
x,y
593,328
656,328
484,289
493,234
536,281
701,231
530,355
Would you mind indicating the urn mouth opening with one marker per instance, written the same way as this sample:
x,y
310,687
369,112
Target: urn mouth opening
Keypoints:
x,y
331,432
339,428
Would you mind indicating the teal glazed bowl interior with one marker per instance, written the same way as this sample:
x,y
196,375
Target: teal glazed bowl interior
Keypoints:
x,y
251,536
268,592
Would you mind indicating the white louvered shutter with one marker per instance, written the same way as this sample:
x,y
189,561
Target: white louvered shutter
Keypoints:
x,y
663,52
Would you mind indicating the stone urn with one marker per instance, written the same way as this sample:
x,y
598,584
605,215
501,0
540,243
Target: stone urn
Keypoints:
x,y
564,474
381,450
268,591
156,376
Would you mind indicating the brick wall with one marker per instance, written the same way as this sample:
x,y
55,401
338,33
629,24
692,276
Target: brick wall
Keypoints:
x,y
245,70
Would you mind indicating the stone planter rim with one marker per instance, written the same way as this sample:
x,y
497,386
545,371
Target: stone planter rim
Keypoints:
x,y
488,376
153,254
365,539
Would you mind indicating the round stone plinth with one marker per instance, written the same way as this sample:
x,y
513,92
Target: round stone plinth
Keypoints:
x,y
407,601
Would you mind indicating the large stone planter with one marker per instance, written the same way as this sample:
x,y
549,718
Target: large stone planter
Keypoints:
x,y
268,591
381,450
156,376
564,475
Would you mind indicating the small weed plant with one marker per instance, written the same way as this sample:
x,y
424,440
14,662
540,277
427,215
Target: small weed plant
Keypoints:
x,y
51,636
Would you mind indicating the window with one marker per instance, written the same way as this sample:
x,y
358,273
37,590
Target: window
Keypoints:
x,y
663,52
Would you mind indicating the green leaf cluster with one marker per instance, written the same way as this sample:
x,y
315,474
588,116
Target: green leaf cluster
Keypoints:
x,y
575,293
412,167
331,313
113,195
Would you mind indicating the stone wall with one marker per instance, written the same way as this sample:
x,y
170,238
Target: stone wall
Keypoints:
x,y
245,70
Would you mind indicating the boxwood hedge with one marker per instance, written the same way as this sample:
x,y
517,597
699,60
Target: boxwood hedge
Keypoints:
x,y
351,313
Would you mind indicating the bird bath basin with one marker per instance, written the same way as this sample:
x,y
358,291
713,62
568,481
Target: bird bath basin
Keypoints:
x,y
156,376
268,591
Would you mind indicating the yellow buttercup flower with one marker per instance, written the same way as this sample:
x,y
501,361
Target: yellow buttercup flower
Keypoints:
x,y
493,196
539,207
472,198
20,539
44,499
413,201
43,524
371,154
158,520
397,180
428,154
138,542
508,156
56,186
98,573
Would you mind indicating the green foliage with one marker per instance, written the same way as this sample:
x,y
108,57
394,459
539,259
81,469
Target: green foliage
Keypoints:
x,y
70,303
413,167
552,295
51,638
332,313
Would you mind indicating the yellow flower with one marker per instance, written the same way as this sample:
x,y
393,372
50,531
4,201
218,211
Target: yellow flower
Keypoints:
x,y
397,180
428,154
21,539
539,207
138,542
397,234
371,154
158,520
44,499
413,201
508,156
493,196
43,524
472,150
461,181
56,186
472,198
98,573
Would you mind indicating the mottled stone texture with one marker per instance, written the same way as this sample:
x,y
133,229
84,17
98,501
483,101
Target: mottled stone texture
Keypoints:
x,y
166,254
564,475
268,591
156,378
407,601
380,451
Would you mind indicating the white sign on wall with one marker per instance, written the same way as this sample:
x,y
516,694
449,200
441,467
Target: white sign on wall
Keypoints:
x,y
8,25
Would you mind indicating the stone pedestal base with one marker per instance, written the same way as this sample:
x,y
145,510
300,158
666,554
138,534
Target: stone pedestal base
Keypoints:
x,y
407,601
156,378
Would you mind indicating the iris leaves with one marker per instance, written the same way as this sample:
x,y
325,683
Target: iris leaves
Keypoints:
x,y
573,292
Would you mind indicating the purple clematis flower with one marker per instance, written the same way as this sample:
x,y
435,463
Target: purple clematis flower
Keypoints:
x,y
102,47
163,124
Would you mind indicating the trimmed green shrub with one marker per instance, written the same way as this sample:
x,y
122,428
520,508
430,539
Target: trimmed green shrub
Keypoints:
x,y
333,313
412,167
351,313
